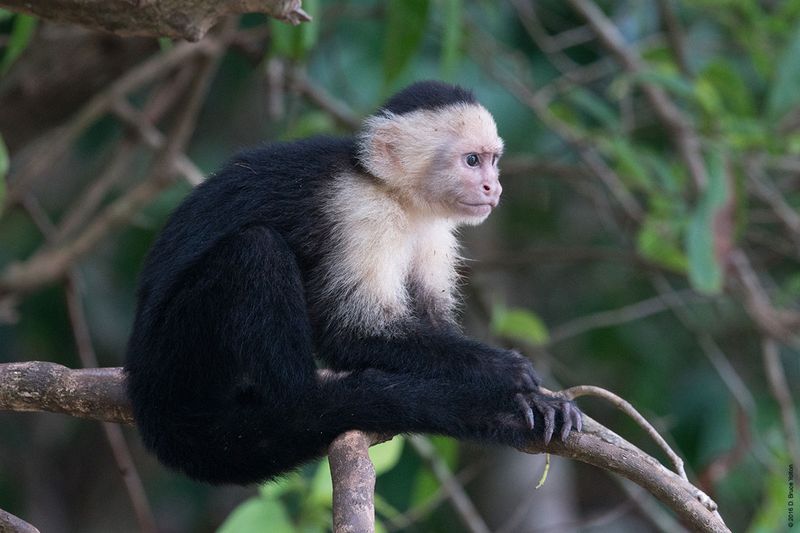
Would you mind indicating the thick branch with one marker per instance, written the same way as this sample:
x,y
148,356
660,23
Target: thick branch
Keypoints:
x,y
97,393
353,476
184,19
100,394
10,523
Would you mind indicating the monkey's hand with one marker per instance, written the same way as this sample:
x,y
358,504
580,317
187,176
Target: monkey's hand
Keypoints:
x,y
540,411
552,411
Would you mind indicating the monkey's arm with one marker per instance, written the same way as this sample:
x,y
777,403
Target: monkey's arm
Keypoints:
x,y
495,380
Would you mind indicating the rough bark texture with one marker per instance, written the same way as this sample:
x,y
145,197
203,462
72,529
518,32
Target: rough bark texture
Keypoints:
x,y
11,524
185,19
97,393
100,394
599,446
353,478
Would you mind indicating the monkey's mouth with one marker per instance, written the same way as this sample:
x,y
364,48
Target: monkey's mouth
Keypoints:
x,y
477,208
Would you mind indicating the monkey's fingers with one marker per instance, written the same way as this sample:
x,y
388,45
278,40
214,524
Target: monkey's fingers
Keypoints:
x,y
529,382
566,423
577,418
549,423
526,409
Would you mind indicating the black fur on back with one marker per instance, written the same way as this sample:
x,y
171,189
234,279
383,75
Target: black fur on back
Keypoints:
x,y
428,95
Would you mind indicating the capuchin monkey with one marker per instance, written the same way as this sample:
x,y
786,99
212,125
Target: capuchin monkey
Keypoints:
x,y
341,250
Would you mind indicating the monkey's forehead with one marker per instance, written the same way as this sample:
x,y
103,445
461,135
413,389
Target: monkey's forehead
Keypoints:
x,y
465,125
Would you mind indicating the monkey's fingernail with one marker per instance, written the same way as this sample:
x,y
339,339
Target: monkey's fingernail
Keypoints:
x,y
549,425
578,421
525,409
566,427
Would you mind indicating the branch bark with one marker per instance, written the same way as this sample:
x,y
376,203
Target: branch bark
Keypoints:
x,y
100,394
11,524
183,19
353,476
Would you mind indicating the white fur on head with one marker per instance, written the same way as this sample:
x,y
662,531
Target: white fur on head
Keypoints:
x,y
404,150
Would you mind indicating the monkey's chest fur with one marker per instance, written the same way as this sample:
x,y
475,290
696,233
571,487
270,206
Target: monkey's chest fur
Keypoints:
x,y
383,265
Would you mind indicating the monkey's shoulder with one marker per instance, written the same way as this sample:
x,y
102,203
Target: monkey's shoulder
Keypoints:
x,y
311,158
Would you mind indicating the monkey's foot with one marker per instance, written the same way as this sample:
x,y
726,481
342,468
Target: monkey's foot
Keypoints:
x,y
551,409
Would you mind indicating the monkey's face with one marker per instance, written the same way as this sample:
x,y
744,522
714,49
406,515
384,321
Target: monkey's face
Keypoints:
x,y
470,188
441,162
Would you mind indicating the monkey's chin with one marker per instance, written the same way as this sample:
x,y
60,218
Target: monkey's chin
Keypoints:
x,y
473,214
480,210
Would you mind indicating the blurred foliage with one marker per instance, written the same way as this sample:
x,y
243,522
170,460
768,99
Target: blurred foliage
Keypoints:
x,y
561,267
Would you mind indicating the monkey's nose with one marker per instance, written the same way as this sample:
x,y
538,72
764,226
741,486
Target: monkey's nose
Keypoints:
x,y
492,190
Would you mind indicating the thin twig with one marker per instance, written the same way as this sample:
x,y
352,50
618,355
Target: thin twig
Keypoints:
x,y
684,136
48,265
461,502
183,165
782,324
786,213
732,380
779,387
649,508
415,514
675,34
590,390
615,317
83,341
487,56
116,440
91,199
56,143
340,111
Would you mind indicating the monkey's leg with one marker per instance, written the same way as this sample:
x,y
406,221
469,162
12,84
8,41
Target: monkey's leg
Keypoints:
x,y
228,364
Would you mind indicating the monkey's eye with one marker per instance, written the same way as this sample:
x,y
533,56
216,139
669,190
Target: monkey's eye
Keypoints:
x,y
495,157
473,160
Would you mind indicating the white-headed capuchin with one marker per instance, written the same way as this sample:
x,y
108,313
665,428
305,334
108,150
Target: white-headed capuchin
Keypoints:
x,y
339,249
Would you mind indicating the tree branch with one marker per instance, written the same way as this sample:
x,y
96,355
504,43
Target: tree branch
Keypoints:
x,y
96,393
183,19
100,394
353,476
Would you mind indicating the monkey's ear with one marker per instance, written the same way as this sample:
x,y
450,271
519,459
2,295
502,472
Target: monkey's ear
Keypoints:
x,y
380,147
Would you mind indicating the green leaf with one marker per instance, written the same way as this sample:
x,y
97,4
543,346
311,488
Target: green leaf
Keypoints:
x,y
658,240
295,42
730,87
257,515
519,324
705,272
785,93
772,513
309,124
321,493
274,489
405,29
451,37
386,455
629,165
21,33
670,81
